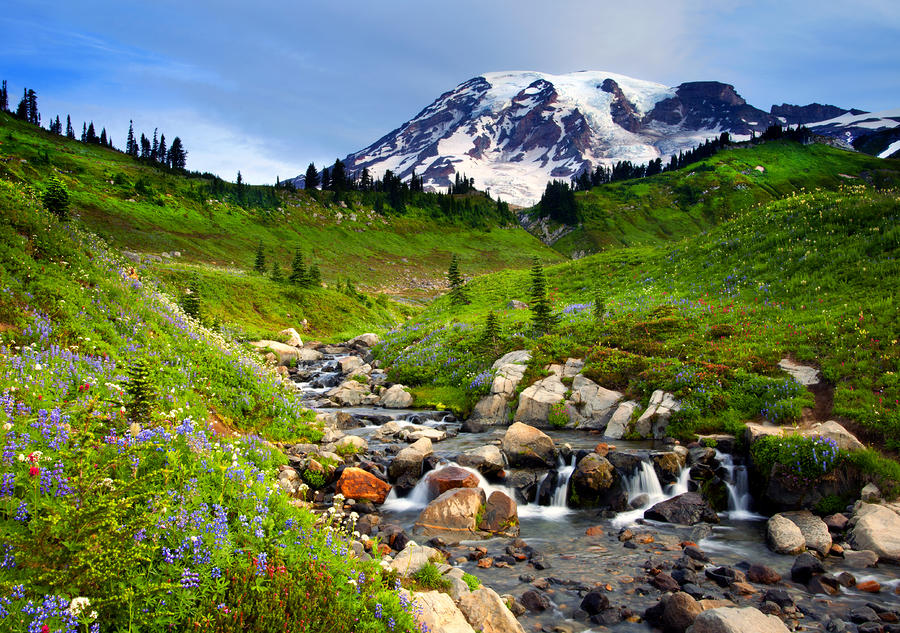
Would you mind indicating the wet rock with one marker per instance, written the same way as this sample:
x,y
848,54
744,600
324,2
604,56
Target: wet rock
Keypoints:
x,y
763,574
487,612
846,579
725,576
594,602
827,585
406,468
448,478
500,515
618,423
527,447
685,509
667,465
439,613
349,393
356,483
784,536
805,567
695,553
535,601
860,559
452,515
665,582
780,597
736,620
858,615
869,586
679,612
836,522
488,460
815,532
625,463
877,528
524,482
596,483
397,397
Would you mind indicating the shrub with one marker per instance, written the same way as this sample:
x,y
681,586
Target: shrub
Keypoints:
x,y
558,416
429,577
472,582
315,478
141,391
807,457
56,198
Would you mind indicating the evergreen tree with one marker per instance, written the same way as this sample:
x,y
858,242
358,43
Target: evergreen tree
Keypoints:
x,y
22,108
34,117
83,132
145,147
104,141
154,146
338,176
314,276
190,302
4,98
312,177
299,274
140,390
130,145
70,131
457,289
162,155
541,315
326,179
91,135
276,271
56,198
177,158
260,264
490,338
599,307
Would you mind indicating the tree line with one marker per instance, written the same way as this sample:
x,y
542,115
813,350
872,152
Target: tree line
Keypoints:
x,y
173,156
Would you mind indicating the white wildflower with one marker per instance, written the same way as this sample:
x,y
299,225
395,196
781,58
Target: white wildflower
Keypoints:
x,y
78,605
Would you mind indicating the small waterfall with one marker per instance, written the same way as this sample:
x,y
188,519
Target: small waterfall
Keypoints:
x,y
738,485
558,506
644,481
559,496
420,495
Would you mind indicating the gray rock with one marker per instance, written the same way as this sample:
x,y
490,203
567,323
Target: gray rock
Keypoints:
x,y
815,532
876,528
413,558
870,493
526,446
845,440
488,460
803,374
735,620
784,536
439,613
860,559
397,397
536,401
618,423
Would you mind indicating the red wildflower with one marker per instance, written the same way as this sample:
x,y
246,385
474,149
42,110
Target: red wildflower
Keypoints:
x,y
34,471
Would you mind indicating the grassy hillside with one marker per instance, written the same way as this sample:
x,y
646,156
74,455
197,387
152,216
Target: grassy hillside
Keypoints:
x,y
708,317
677,204
139,207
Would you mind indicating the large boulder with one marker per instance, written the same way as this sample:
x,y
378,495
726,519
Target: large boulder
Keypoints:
x,y
438,612
508,371
448,478
832,430
668,465
349,364
500,515
528,447
406,469
366,340
735,620
754,431
618,423
685,509
876,528
488,460
413,558
284,353
784,536
291,337
349,393
804,374
492,409
655,419
595,404
397,397
535,401
815,532
361,485
452,515
487,612
596,483
679,612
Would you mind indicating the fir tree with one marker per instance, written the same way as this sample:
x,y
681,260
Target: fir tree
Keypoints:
x,y
83,132
312,177
276,271
599,307
190,302
56,198
177,158
457,289
260,264
70,131
145,147
130,146
154,146
91,136
140,390
314,276
104,141
326,179
299,274
22,108
541,315
161,151
338,176
490,338
4,98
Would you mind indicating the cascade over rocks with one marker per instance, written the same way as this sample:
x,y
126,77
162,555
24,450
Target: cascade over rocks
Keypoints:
x,y
596,483
685,509
527,447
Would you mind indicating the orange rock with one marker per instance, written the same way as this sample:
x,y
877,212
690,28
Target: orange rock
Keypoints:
x,y
594,531
356,483
384,549
602,449
869,586
644,539
440,481
837,549
485,562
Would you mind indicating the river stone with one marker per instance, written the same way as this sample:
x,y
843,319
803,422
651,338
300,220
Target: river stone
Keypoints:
x,y
595,483
501,515
784,536
618,423
763,574
413,558
527,447
453,514
423,445
349,393
284,353
805,566
487,612
439,613
679,612
685,509
844,439
594,602
359,444
667,465
406,469
450,477
490,410
876,528
397,397
535,401
356,483
815,532
349,364
488,460
860,559
735,620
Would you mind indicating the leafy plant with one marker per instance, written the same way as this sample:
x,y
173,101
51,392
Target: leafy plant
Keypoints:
x,y
558,416
472,581
56,198
429,577
141,391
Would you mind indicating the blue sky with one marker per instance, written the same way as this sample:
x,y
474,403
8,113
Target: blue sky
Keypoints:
x,y
267,87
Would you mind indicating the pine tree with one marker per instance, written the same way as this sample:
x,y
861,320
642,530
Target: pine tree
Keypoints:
x,y
154,147
312,177
299,274
140,390
457,289
541,314
276,271
104,141
260,264
161,151
22,108
83,132
490,338
145,147
338,176
91,135
4,98
130,146
599,307
70,131
33,116
177,158
325,179
313,276
56,198
190,302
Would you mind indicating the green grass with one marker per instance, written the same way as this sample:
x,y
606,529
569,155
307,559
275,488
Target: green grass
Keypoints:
x,y
679,204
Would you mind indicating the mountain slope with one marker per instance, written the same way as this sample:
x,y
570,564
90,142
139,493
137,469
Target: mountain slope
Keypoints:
x,y
514,131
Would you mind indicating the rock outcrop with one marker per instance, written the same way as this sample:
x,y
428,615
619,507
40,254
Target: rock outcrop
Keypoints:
x,y
536,401
655,419
508,371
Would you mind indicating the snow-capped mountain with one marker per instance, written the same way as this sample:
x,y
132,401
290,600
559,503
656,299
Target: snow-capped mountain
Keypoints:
x,y
514,131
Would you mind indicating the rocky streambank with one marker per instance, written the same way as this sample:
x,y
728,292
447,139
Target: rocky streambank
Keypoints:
x,y
567,527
